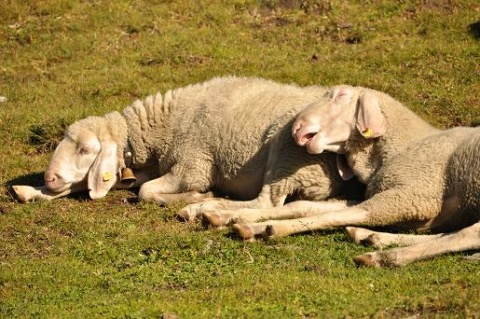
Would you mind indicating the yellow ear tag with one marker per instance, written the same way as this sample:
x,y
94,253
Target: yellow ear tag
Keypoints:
x,y
107,176
368,133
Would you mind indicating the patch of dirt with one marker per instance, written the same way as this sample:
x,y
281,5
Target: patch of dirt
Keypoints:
x,y
46,136
474,30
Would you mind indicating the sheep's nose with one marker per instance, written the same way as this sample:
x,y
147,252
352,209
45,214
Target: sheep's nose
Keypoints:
x,y
296,126
303,133
303,139
296,130
50,178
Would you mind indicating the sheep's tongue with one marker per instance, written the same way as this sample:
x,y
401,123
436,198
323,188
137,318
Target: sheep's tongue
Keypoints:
x,y
344,170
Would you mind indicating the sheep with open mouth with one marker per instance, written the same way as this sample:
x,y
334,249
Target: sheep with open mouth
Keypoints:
x,y
229,136
417,177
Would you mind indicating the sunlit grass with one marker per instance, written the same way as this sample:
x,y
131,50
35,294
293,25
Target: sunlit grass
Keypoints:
x,y
63,60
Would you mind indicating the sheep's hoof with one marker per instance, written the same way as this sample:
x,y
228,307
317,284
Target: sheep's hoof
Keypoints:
x,y
215,219
244,231
269,231
20,192
373,241
358,234
352,234
375,259
185,214
367,260
364,237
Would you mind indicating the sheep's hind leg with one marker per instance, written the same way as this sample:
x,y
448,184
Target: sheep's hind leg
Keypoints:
x,y
465,239
380,240
316,216
383,209
291,210
187,197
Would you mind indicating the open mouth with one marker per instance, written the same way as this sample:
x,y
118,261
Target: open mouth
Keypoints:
x,y
304,138
315,146
307,138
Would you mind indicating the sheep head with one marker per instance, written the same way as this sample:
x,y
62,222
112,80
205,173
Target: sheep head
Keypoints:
x,y
327,124
91,152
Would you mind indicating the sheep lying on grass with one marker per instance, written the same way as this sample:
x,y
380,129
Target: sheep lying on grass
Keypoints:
x,y
418,178
229,135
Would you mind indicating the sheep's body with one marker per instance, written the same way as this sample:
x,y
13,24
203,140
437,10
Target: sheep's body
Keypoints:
x,y
418,178
221,132
229,135
430,186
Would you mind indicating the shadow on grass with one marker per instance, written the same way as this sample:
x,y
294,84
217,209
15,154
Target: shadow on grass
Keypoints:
x,y
36,179
474,30
266,239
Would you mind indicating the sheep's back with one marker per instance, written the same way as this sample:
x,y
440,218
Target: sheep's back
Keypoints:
x,y
234,119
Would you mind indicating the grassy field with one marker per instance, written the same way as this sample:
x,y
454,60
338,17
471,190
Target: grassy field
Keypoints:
x,y
61,60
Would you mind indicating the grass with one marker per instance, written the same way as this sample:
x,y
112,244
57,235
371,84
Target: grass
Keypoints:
x,y
116,258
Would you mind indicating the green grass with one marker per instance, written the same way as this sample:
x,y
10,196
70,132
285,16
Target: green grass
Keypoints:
x,y
115,258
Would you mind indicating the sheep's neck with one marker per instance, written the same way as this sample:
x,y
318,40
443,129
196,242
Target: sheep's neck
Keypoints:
x,y
363,156
145,151
366,156
148,127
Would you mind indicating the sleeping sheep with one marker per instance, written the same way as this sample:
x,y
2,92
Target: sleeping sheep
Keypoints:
x,y
229,136
418,178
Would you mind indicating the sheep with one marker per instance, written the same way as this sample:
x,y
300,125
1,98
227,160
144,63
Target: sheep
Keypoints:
x,y
418,178
229,136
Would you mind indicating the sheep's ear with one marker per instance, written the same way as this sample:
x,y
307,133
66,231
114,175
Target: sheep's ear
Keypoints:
x,y
102,174
371,122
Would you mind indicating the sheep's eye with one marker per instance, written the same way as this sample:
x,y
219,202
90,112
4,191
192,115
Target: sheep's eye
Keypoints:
x,y
83,151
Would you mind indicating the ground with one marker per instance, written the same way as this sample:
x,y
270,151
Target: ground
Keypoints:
x,y
115,257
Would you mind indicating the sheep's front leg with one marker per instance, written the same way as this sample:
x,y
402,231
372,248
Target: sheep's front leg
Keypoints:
x,y
295,209
25,193
223,206
465,239
380,240
475,257
169,188
225,209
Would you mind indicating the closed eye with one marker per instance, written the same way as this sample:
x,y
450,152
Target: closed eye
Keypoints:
x,y
84,150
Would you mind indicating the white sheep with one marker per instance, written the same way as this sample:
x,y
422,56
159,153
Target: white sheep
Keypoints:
x,y
229,135
418,178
